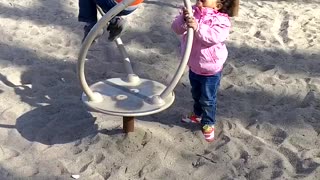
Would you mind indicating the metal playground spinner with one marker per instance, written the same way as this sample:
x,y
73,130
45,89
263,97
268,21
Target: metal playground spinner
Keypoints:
x,y
129,96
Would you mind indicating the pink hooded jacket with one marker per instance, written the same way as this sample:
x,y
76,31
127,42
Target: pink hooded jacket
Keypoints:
x,y
208,52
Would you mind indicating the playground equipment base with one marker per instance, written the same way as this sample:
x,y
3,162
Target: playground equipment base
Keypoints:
x,y
121,97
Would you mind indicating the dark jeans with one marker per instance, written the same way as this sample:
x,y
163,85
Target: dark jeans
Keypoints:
x,y
88,9
204,93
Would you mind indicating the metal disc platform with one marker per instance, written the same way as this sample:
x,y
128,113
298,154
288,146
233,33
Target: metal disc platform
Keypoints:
x,y
125,98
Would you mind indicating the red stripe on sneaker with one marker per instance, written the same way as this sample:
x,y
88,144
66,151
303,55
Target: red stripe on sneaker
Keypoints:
x,y
209,136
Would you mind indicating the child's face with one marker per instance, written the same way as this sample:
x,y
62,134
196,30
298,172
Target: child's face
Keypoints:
x,y
214,4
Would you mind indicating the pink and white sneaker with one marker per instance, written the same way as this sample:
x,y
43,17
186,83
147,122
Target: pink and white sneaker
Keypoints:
x,y
191,118
208,132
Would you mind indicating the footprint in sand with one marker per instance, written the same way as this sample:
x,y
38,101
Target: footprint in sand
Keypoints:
x,y
259,172
228,69
8,114
56,39
312,154
268,67
6,153
278,136
148,169
224,140
283,77
258,35
269,132
277,170
99,158
68,43
242,26
244,155
312,98
83,162
300,165
34,31
27,171
76,150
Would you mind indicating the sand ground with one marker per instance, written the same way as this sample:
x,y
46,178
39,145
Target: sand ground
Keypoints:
x,y
268,109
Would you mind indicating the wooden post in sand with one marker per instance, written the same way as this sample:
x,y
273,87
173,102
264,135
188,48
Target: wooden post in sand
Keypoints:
x,y
128,124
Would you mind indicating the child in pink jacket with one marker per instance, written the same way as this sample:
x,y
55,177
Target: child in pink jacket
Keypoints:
x,y
211,25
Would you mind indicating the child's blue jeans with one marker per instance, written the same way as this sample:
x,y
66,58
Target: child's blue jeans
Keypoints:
x,y
88,9
204,93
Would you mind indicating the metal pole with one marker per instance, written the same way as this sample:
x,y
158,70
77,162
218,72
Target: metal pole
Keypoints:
x,y
122,49
184,61
128,124
126,60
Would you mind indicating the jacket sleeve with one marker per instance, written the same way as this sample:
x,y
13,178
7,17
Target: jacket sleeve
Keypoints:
x,y
178,25
212,34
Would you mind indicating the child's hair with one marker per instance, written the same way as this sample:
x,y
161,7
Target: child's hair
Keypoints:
x,y
230,7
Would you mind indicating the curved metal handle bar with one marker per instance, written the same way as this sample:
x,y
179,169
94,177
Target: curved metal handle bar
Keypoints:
x,y
102,23
126,60
184,60
87,43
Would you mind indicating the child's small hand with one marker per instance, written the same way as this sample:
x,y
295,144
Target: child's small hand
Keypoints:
x,y
192,23
189,19
186,14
